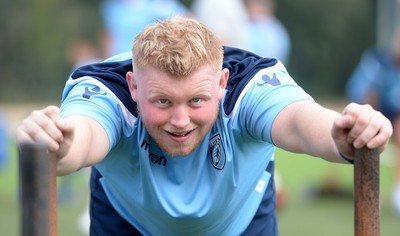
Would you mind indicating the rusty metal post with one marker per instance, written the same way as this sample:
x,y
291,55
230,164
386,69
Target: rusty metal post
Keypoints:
x,y
38,191
366,193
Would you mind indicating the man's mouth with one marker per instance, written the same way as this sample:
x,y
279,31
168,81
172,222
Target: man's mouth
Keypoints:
x,y
180,136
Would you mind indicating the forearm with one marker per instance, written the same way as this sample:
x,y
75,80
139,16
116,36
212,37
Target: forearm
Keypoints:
x,y
316,134
85,147
305,127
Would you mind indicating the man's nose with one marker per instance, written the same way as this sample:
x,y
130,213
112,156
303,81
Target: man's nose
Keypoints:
x,y
180,117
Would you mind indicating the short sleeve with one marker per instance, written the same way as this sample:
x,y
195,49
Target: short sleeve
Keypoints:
x,y
272,90
89,97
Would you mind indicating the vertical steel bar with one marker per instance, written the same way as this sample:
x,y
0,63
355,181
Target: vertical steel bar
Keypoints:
x,y
38,191
366,193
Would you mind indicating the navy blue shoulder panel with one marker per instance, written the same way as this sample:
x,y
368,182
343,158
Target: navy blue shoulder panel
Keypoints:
x,y
111,74
242,65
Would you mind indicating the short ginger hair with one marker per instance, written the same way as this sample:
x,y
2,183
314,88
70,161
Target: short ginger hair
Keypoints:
x,y
177,46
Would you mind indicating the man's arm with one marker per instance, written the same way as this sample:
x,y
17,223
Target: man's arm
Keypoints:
x,y
88,146
76,141
307,127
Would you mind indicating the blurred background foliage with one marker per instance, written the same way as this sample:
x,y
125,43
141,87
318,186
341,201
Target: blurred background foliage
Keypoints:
x,y
35,36
327,36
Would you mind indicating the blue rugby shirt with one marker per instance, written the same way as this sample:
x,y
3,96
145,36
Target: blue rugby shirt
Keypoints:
x,y
214,191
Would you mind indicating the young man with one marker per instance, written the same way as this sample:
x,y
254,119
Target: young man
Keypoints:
x,y
182,141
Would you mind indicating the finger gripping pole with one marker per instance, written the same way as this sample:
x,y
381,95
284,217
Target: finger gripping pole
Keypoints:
x,y
38,193
366,193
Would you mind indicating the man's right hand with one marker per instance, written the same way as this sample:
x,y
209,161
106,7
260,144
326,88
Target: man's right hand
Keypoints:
x,y
45,126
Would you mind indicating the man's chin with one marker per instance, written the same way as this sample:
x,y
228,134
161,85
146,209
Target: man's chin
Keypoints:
x,y
178,152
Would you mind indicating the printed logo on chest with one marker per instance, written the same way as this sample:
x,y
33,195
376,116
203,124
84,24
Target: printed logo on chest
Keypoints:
x,y
154,158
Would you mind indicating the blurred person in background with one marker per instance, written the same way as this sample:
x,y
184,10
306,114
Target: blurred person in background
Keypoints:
x,y
124,19
82,51
247,24
268,36
227,19
376,81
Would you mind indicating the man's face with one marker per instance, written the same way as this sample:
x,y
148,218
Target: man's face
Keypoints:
x,y
178,112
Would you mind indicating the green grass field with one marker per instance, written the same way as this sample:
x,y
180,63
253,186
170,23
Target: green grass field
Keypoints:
x,y
304,213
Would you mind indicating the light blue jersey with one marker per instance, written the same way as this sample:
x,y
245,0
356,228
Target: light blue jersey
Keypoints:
x,y
217,189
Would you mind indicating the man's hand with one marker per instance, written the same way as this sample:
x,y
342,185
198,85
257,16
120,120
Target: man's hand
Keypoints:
x,y
359,126
44,126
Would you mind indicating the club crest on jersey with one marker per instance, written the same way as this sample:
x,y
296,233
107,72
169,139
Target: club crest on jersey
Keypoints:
x,y
216,152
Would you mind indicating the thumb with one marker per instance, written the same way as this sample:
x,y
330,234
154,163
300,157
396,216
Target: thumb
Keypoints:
x,y
341,127
65,126
340,134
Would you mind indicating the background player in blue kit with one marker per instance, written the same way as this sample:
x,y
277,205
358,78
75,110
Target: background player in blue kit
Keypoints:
x,y
182,140
376,81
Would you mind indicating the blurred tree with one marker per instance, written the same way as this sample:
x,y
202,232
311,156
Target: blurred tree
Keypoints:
x,y
34,38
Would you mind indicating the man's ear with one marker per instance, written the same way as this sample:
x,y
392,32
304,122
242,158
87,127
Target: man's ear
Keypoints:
x,y
223,81
130,78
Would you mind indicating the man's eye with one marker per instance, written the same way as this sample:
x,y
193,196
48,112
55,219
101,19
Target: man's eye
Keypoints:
x,y
163,101
196,100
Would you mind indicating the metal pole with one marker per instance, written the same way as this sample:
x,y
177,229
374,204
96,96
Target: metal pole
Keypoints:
x,y
366,193
38,199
